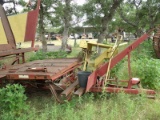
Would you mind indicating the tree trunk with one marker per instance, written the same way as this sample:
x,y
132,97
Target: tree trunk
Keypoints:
x,y
41,30
64,38
66,19
102,35
75,40
138,33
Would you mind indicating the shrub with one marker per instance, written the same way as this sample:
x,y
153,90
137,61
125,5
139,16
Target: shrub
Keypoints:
x,y
40,55
143,66
57,54
144,50
12,99
148,70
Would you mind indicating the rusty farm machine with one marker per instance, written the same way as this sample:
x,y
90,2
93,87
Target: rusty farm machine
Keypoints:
x,y
64,77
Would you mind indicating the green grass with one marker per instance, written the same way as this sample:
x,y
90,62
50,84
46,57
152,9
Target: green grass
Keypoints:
x,y
92,107
75,52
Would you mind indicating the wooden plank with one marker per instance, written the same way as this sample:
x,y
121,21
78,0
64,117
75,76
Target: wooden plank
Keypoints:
x,y
80,92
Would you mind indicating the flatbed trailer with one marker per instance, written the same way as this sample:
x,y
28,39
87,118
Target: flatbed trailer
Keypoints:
x,y
55,74
48,70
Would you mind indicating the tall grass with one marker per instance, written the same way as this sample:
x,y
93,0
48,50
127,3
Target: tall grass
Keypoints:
x,y
91,107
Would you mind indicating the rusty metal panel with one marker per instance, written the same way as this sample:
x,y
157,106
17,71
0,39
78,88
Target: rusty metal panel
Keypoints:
x,y
69,89
3,73
32,19
13,51
125,90
42,69
80,91
4,47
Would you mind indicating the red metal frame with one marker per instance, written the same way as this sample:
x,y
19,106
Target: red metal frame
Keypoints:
x,y
125,90
93,78
32,19
10,48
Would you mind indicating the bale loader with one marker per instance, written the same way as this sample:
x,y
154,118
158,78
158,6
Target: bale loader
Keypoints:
x,y
67,76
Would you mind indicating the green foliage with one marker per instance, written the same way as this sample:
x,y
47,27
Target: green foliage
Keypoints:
x,y
12,99
1,64
116,69
148,70
75,52
145,50
99,11
90,107
138,16
58,54
40,55
143,66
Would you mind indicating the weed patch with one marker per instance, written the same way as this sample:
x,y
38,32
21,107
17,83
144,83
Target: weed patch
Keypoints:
x,y
12,101
40,55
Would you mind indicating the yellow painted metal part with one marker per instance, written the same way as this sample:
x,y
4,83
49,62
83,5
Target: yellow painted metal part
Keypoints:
x,y
3,39
106,54
18,28
117,43
83,44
